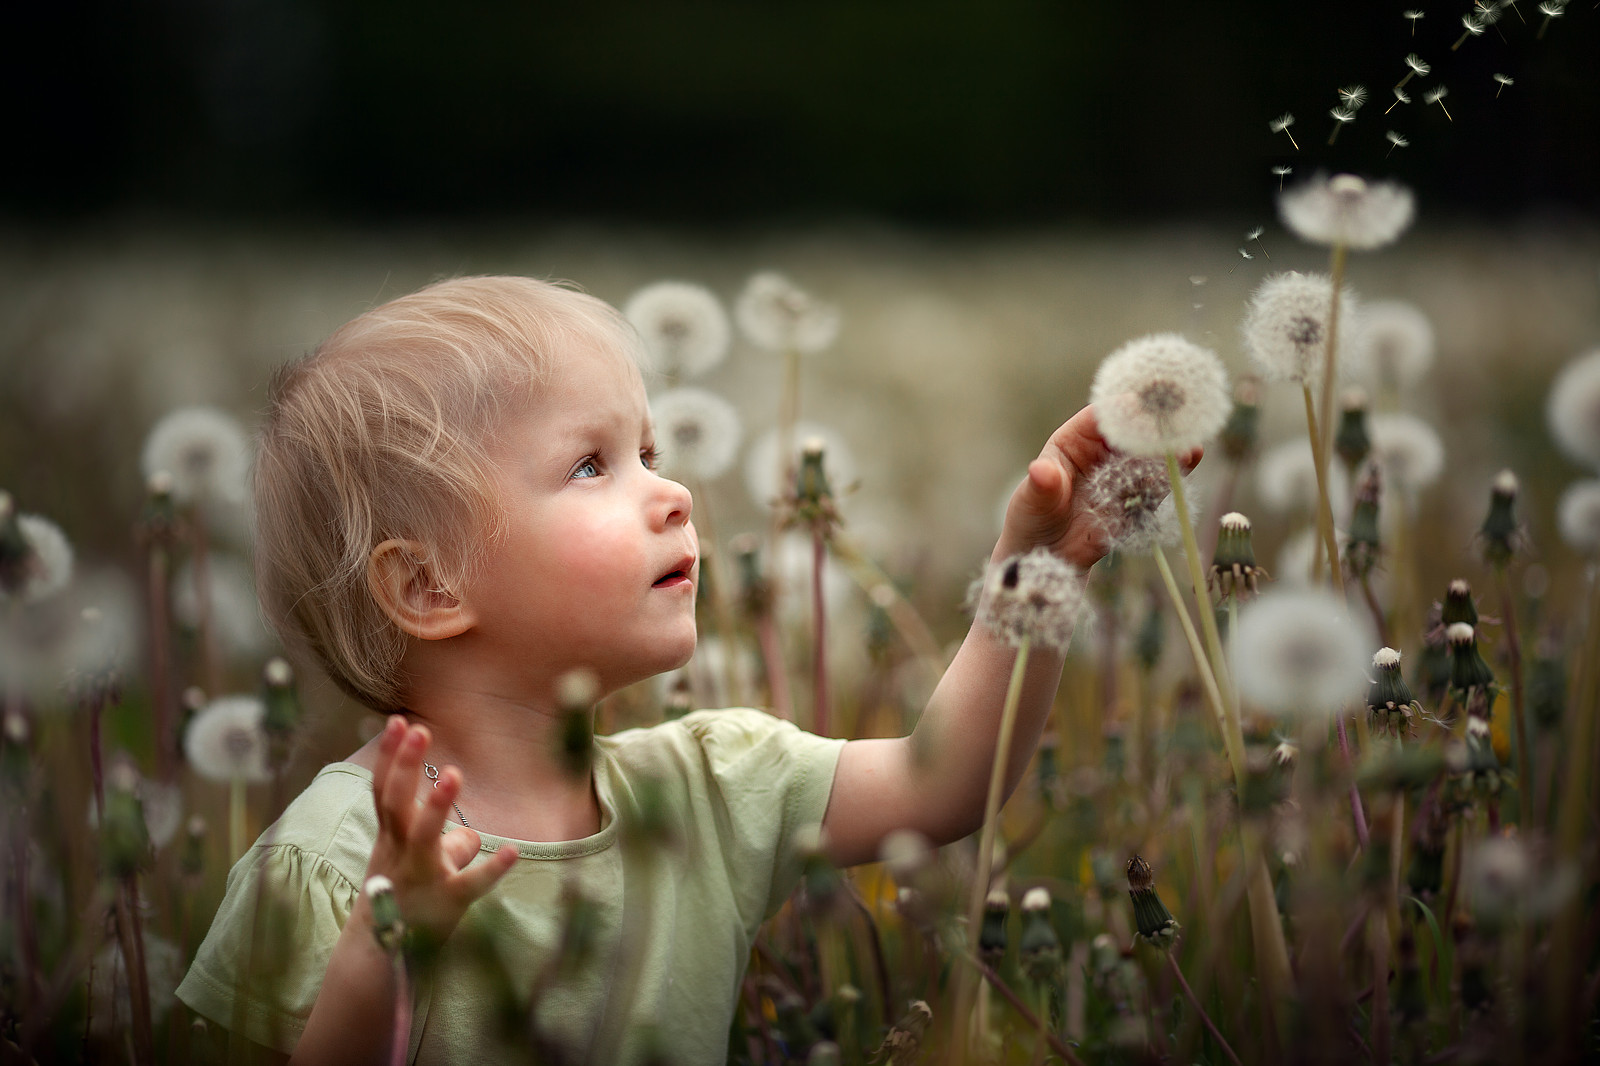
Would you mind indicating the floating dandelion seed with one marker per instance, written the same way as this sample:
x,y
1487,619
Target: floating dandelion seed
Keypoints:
x,y
1255,235
1353,96
1578,516
1504,80
1400,97
1417,66
1395,141
698,433
1473,26
1488,12
1034,597
1395,349
1347,210
1286,326
1281,173
1159,394
1299,651
1512,4
1573,409
1413,16
1436,95
1341,116
683,326
779,316
1281,125
1550,9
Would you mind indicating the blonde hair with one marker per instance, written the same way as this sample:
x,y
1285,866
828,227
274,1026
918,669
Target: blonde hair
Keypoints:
x,y
384,432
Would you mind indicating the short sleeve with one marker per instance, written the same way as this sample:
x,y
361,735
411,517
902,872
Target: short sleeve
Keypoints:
x,y
773,779
261,965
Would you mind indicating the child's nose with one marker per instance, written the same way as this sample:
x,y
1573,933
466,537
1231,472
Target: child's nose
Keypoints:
x,y
674,503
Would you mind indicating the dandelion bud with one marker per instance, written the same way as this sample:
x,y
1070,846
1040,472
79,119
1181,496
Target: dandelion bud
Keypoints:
x,y
1499,531
1468,671
1266,781
124,837
992,937
811,483
1459,605
1240,432
193,861
576,692
1390,699
755,591
15,750
1233,565
281,699
1040,946
1547,688
387,925
1351,440
1156,924
904,1043
1362,547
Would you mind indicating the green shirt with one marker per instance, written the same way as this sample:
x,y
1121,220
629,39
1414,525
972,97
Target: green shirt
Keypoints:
x,y
731,789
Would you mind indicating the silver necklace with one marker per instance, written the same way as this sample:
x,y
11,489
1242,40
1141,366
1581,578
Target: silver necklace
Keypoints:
x,y
432,773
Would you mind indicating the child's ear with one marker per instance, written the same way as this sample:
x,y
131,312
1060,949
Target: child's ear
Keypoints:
x,y
407,590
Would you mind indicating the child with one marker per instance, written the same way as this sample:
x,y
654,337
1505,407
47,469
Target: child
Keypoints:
x,y
457,509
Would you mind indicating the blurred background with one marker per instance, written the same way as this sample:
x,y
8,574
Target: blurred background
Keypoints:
x,y
995,195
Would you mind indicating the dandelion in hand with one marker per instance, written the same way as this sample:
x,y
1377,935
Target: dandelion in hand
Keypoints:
x,y
1347,210
1395,141
1160,394
1132,500
1281,125
1504,80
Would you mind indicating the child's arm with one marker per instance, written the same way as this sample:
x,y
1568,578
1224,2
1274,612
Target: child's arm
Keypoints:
x,y
935,780
433,883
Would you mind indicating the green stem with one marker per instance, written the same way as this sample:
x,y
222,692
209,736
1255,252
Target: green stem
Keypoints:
x,y
1208,682
236,811
1211,1026
1508,611
1330,544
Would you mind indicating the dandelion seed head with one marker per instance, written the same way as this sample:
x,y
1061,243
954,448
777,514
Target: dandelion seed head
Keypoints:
x,y
204,451
1578,516
1160,393
1286,326
779,316
1347,210
48,569
225,741
109,988
278,673
1281,123
377,885
697,433
1573,409
1286,480
235,613
1131,497
1036,597
1386,658
1498,875
1407,449
1417,66
1300,652
683,326
1395,348
906,853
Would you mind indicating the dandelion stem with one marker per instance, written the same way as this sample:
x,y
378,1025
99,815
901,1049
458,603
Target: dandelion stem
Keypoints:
x,y
1508,611
721,601
160,658
772,660
133,964
1330,545
902,614
1211,1026
400,1038
210,648
1378,944
1202,665
991,811
1330,366
819,623
1401,84
1028,1017
1356,810
236,812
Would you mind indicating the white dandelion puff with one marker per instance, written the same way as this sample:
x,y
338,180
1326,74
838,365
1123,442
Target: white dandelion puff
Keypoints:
x,y
1347,210
1286,480
225,741
683,326
1033,597
1281,125
1286,326
1396,346
47,569
761,477
697,433
1131,499
1353,96
1159,394
1407,450
1573,408
204,450
779,316
1578,516
1300,652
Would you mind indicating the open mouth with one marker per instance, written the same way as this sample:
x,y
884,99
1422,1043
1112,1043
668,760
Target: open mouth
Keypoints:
x,y
673,578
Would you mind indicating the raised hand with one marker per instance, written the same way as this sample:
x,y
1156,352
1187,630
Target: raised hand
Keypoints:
x,y
435,879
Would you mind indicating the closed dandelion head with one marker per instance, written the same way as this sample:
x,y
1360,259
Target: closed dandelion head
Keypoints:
x,y
1286,326
1408,450
761,467
1347,210
1418,67
1578,517
779,316
36,557
1389,698
204,450
1159,394
683,326
1353,96
1300,652
1573,409
1395,348
1034,597
1131,499
1154,923
697,433
226,742
1459,606
1351,441
1500,534
1239,433
1233,565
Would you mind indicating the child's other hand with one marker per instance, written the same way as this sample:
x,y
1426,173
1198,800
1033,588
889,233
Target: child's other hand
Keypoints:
x,y
1051,506
434,876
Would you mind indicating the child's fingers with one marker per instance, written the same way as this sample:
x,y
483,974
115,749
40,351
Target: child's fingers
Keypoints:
x,y
428,823
394,730
399,799
461,846
480,877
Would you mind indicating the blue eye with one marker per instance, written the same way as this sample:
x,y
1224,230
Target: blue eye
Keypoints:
x,y
586,469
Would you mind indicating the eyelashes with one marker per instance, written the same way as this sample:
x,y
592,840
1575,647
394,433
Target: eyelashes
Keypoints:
x,y
590,465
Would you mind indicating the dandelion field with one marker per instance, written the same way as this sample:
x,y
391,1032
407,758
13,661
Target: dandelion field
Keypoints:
x,y
1322,778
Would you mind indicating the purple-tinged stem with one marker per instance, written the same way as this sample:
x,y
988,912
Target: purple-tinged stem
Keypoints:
x,y
1211,1027
1355,793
